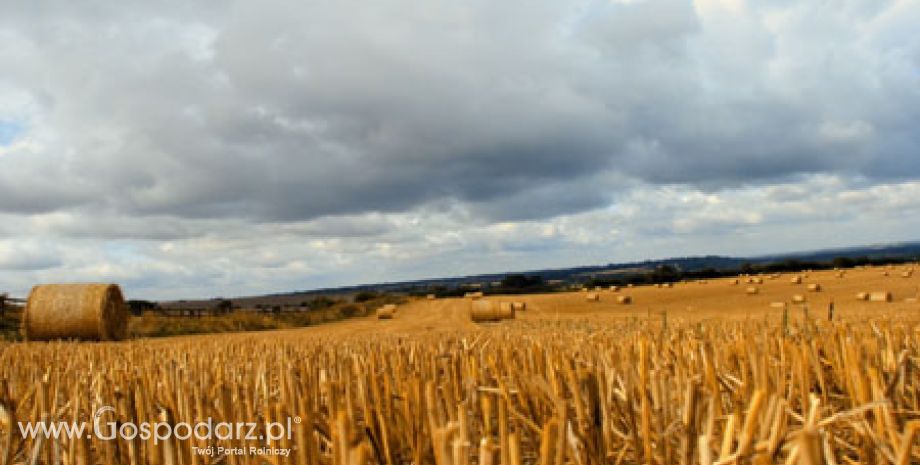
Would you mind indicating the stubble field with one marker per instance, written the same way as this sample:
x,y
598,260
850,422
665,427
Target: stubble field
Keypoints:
x,y
700,373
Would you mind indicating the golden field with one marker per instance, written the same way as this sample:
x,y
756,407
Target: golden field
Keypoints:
x,y
701,373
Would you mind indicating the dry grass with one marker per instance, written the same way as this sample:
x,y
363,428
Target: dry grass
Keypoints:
x,y
568,382
633,392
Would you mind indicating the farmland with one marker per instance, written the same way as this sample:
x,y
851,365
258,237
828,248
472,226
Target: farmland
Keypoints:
x,y
700,373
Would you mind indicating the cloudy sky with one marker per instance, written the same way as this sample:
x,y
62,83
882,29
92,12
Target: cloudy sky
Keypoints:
x,y
191,149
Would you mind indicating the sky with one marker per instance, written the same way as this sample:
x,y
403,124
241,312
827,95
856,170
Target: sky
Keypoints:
x,y
201,149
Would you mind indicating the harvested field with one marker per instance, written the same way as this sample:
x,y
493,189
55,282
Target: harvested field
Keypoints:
x,y
689,375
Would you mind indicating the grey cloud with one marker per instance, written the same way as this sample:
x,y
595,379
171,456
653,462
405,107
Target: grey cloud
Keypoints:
x,y
289,112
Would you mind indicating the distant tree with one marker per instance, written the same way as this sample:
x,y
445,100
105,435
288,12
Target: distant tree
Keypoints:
x,y
321,302
521,281
844,262
364,296
224,306
137,307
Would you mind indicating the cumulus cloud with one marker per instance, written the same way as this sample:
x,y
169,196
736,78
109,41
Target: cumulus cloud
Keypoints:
x,y
189,147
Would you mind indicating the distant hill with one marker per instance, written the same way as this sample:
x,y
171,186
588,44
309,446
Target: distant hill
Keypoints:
x,y
575,275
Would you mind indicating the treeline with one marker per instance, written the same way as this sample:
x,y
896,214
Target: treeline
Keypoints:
x,y
670,274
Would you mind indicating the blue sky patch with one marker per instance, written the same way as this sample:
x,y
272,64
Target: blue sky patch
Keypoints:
x,y
10,130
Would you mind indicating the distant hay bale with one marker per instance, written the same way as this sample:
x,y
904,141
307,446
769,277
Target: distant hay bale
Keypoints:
x,y
880,296
756,280
841,274
485,310
667,285
798,299
505,310
862,296
884,273
473,295
907,274
75,311
624,299
430,297
630,285
592,297
614,288
733,282
752,290
796,280
390,307
385,313
814,287
519,306
777,304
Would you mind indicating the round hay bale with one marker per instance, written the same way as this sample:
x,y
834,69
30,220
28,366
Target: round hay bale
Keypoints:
x,y
907,274
614,288
796,280
430,297
752,290
506,310
384,313
473,295
484,311
592,297
814,287
798,299
75,311
880,296
757,280
777,304
862,296
733,282
390,307
519,306
624,299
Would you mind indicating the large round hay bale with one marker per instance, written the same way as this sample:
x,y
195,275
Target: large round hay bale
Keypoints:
x,y
862,296
519,306
624,299
505,310
752,290
614,288
796,280
75,311
484,310
814,287
592,297
385,313
798,299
